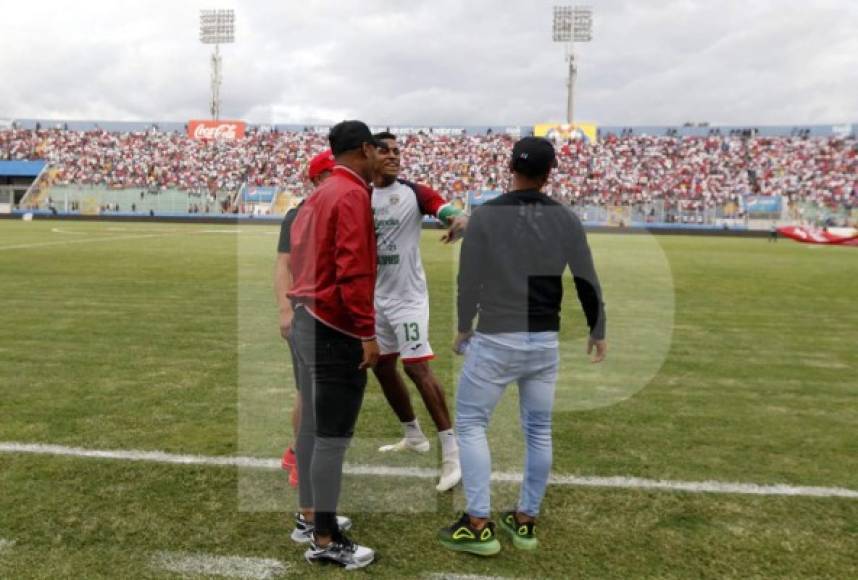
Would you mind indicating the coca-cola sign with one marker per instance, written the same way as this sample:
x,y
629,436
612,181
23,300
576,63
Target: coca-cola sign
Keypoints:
x,y
216,130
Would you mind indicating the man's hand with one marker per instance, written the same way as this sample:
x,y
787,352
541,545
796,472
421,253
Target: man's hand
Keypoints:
x,y
286,317
370,354
456,230
461,340
601,349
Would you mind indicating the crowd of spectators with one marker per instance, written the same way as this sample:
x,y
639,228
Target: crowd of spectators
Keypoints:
x,y
690,173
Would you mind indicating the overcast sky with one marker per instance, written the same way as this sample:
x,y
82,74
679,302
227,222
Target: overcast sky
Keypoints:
x,y
438,62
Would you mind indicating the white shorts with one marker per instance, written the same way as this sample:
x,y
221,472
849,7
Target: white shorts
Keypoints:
x,y
402,328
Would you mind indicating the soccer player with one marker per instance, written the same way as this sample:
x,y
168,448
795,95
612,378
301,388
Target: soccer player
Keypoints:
x,y
402,304
318,170
333,261
512,262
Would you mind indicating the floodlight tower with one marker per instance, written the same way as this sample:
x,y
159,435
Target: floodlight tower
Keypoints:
x,y
216,27
571,25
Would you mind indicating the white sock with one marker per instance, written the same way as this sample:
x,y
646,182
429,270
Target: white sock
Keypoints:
x,y
449,446
413,431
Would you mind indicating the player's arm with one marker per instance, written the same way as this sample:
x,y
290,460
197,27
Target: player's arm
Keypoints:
x,y
432,203
282,285
456,227
580,260
283,278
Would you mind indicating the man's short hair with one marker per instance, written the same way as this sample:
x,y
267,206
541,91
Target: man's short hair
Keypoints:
x,y
384,135
348,135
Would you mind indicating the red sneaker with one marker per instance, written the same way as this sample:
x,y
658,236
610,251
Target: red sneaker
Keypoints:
x,y
289,461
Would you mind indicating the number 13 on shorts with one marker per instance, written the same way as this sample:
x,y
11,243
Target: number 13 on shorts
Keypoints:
x,y
414,341
403,328
412,331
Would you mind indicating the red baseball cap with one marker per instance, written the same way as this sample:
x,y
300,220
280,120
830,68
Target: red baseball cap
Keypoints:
x,y
322,162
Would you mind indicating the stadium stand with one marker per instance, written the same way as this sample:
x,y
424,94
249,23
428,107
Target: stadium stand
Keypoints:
x,y
100,199
20,179
626,176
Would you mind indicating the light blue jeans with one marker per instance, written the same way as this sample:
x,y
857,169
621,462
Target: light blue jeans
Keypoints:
x,y
493,361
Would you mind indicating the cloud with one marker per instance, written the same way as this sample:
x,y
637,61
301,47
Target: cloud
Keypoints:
x,y
435,62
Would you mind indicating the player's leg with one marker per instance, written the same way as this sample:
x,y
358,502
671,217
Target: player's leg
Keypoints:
x,y
296,417
412,324
434,398
431,392
296,426
289,462
394,388
304,352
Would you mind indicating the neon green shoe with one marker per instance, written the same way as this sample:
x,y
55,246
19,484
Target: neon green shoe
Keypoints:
x,y
463,537
523,536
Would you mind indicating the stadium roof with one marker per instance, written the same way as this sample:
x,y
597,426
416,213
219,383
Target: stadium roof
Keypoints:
x,y
21,168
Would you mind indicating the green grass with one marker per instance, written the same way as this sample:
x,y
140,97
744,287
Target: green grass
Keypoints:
x,y
730,360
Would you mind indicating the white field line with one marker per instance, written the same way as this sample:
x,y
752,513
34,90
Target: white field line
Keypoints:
x,y
88,240
446,576
226,566
110,238
620,482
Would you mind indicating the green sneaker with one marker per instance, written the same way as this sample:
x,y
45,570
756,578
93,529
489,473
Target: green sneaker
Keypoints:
x,y
462,537
523,536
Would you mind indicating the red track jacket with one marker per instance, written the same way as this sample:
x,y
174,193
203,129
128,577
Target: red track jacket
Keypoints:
x,y
333,256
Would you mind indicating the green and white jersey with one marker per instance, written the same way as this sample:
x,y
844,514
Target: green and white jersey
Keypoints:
x,y
399,209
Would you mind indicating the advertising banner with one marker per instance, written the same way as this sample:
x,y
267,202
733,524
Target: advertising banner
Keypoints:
x,y
217,130
837,236
563,132
254,194
478,198
763,204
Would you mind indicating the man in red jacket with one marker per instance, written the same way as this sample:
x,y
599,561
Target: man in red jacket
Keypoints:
x,y
334,266
318,170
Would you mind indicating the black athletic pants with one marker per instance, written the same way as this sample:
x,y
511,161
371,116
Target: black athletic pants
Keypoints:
x,y
331,398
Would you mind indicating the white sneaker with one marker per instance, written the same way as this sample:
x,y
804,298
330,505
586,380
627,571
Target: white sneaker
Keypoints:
x,y
451,473
406,444
303,532
341,551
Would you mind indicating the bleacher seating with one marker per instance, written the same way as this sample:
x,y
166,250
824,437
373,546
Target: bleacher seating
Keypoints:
x,y
683,176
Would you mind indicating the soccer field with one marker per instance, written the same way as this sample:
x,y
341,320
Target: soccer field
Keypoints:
x,y
732,369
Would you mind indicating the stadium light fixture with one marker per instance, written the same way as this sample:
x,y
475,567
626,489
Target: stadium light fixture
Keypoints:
x,y
572,24
217,27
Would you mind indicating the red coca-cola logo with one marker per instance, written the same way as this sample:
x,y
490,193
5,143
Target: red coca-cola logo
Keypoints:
x,y
216,130
223,131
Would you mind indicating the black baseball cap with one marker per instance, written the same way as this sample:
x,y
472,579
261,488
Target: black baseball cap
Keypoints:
x,y
533,156
348,135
